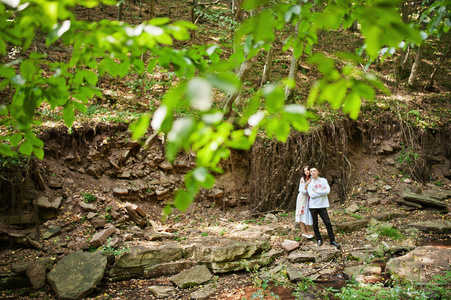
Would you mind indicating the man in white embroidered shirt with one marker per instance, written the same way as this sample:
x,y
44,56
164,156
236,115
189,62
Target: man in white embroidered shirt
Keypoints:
x,y
318,189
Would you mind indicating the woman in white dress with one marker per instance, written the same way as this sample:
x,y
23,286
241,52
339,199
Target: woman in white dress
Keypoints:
x,y
303,215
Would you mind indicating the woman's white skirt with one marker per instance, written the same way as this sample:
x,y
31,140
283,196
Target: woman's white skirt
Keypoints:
x,y
306,217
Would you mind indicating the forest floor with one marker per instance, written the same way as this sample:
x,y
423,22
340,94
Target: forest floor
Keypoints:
x,y
203,218
125,98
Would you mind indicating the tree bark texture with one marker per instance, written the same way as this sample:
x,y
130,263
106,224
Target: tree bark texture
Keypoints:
x,y
120,11
293,69
416,65
268,67
231,97
437,67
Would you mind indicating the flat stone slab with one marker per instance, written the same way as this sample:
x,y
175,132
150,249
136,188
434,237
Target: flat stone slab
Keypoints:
x,y
289,245
162,291
192,277
420,264
360,273
301,257
436,226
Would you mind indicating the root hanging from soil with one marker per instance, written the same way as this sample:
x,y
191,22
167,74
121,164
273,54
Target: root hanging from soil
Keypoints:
x,y
276,167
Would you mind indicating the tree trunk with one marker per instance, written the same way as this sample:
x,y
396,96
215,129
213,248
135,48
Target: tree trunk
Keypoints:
x,y
267,68
231,97
151,9
120,11
405,11
237,13
293,69
355,26
416,65
437,66
403,58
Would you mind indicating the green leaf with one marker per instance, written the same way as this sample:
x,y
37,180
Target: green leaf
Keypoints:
x,y
39,152
15,139
79,106
226,82
151,65
159,21
27,69
372,40
252,4
325,64
164,39
352,105
31,138
26,148
182,200
5,149
334,93
364,90
68,114
139,65
90,77
122,68
139,128
274,97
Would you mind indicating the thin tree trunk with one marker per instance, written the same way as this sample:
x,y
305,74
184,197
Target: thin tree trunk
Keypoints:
x,y
151,9
416,65
437,66
405,11
238,13
404,57
355,26
268,67
231,97
120,11
293,69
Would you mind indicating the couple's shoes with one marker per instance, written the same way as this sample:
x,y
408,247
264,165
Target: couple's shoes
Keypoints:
x,y
333,243
309,236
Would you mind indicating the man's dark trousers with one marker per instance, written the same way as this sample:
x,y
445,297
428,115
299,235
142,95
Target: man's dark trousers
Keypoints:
x,y
322,212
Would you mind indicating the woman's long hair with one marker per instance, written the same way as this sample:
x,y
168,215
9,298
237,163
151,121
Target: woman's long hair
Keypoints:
x,y
306,177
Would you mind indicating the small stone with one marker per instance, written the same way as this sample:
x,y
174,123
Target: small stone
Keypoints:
x,y
289,245
270,218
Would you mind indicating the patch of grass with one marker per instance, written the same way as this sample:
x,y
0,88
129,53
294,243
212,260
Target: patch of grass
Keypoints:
x,y
390,232
356,216
204,234
88,198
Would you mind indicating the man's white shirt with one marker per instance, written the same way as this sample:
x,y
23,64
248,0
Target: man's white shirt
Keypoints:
x,y
318,190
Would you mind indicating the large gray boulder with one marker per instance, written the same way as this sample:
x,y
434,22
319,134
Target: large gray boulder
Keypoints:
x,y
436,226
139,258
420,264
192,277
257,261
226,250
77,274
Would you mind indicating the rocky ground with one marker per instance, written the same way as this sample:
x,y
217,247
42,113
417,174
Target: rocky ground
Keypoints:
x,y
81,226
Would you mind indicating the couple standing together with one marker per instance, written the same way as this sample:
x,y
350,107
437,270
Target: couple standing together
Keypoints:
x,y
312,201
